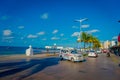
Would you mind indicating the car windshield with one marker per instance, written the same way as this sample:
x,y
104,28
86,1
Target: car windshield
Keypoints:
x,y
64,51
74,52
92,51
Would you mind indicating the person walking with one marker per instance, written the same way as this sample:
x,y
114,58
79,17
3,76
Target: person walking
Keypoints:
x,y
108,54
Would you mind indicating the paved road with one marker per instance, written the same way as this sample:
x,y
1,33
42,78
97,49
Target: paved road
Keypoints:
x,y
101,68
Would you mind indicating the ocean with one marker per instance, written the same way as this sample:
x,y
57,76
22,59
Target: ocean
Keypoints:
x,y
12,50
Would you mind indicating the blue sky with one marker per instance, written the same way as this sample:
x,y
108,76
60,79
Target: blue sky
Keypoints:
x,y
45,22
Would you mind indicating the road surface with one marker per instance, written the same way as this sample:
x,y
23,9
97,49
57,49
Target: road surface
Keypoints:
x,y
100,68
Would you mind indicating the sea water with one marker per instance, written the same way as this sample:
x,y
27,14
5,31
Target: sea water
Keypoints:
x,y
12,50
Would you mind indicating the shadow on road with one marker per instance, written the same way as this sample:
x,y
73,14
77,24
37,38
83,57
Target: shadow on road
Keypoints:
x,y
35,65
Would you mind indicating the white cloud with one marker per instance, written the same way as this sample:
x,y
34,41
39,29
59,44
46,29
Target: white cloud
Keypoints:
x,y
55,38
75,27
84,26
41,33
20,27
92,31
75,34
44,16
115,37
55,31
7,32
32,36
62,34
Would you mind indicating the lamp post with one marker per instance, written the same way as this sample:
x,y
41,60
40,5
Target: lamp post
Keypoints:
x,y
79,36
54,46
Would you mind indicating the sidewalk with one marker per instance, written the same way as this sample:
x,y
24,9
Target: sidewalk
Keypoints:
x,y
21,57
115,58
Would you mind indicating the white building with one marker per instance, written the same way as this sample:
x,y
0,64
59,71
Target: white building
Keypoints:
x,y
112,43
49,47
57,47
106,44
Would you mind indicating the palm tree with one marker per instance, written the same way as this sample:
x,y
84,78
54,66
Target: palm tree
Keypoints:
x,y
93,41
89,39
84,38
96,43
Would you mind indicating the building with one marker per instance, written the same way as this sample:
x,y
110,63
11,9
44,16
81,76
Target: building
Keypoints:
x,y
113,43
51,47
106,44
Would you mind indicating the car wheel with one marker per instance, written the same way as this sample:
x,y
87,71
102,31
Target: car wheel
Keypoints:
x,y
61,58
72,59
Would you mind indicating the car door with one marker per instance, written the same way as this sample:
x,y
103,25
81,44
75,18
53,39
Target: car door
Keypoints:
x,y
65,54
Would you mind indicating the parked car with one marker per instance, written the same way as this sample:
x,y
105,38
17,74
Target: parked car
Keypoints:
x,y
105,51
92,54
71,55
98,51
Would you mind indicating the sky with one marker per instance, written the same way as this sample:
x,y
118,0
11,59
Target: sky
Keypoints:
x,y
48,22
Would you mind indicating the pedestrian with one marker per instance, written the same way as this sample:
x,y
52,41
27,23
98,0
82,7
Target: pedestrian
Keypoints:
x,y
108,54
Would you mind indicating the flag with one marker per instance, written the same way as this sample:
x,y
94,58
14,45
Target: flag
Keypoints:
x,y
119,37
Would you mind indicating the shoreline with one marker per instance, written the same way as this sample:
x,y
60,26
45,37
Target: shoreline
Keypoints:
x,y
7,58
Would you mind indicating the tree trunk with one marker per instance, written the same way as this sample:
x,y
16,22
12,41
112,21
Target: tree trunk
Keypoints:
x,y
84,45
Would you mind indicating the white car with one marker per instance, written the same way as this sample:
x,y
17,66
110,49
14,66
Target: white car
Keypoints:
x,y
72,55
92,54
98,51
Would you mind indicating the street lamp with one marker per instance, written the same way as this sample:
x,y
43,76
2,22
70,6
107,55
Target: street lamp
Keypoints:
x,y
54,46
81,20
